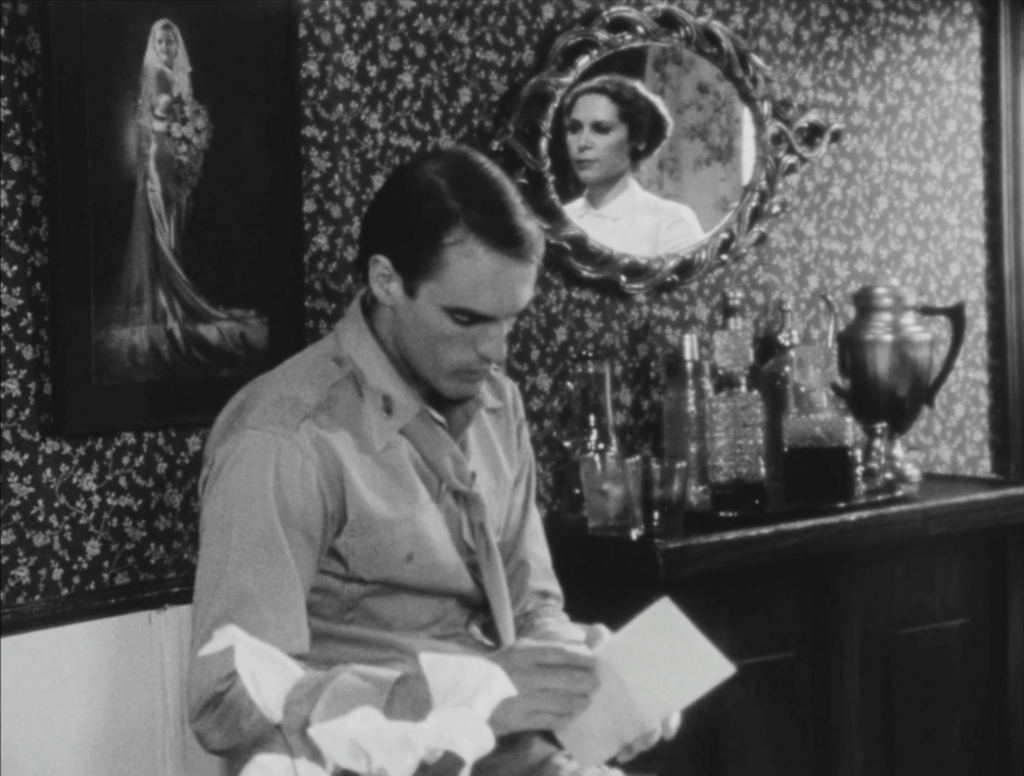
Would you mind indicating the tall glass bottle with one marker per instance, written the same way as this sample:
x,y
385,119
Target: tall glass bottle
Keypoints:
x,y
732,344
591,384
609,495
735,419
683,417
774,377
776,337
810,451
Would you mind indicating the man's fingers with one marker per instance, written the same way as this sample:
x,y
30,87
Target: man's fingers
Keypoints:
x,y
560,687
537,710
671,724
550,714
597,635
668,729
569,681
639,746
554,685
554,656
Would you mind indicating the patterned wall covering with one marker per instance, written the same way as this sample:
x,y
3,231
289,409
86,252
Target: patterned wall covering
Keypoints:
x,y
902,197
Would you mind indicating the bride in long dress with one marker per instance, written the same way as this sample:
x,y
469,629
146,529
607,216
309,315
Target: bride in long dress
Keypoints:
x,y
162,326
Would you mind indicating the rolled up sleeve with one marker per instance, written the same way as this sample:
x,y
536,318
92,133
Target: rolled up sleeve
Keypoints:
x,y
266,516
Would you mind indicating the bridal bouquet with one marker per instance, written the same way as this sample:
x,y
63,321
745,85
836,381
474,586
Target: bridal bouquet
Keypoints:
x,y
190,129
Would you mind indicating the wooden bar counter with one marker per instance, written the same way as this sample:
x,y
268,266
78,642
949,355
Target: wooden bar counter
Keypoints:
x,y
883,640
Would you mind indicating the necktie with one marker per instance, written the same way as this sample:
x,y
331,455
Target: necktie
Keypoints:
x,y
447,461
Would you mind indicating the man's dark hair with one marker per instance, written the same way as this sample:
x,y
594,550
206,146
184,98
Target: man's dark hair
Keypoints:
x,y
428,201
645,115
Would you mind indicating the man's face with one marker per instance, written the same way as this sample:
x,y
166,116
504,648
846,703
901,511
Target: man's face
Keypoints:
x,y
456,325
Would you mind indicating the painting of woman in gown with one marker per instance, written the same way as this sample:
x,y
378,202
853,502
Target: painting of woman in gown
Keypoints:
x,y
178,207
158,324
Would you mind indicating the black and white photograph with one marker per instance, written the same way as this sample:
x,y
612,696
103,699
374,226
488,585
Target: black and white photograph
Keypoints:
x,y
512,387
175,172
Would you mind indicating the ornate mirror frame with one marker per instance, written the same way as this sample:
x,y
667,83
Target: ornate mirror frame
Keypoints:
x,y
788,136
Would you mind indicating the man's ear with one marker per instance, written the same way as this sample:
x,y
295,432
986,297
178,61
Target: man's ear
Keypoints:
x,y
385,283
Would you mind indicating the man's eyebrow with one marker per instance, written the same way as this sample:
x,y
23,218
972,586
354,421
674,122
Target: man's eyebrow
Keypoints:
x,y
476,315
468,312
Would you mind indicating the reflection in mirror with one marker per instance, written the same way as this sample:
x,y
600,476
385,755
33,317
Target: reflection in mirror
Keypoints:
x,y
613,125
732,139
650,144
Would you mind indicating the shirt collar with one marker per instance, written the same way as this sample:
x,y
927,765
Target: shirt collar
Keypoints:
x,y
391,400
620,206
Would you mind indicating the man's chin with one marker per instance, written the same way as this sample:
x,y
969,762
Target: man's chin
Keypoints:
x,y
456,391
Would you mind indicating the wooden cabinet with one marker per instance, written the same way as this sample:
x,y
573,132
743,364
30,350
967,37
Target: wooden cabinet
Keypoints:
x,y
920,661
876,643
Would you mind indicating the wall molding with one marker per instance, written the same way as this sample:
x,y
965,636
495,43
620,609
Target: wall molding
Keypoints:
x,y
91,606
1011,194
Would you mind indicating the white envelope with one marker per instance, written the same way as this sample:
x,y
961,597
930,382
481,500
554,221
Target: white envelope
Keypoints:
x,y
657,664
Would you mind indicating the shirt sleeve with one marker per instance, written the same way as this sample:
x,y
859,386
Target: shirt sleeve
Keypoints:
x,y
266,516
537,599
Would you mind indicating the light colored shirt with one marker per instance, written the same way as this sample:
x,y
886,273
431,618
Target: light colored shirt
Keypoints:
x,y
324,533
638,222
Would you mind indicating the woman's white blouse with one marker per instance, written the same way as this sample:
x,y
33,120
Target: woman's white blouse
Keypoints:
x,y
638,222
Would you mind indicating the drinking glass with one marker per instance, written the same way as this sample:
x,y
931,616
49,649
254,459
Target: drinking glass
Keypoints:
x,y
664,496
611,493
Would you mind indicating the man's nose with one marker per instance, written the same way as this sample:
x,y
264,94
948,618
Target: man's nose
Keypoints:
x,y
493,343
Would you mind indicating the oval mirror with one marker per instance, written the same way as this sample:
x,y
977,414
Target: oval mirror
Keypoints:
x,y
652,144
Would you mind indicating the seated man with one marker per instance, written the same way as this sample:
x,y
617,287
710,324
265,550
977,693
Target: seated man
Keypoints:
x,y
372,498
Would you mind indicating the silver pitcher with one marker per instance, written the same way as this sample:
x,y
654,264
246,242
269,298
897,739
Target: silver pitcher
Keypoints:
x,y
886,357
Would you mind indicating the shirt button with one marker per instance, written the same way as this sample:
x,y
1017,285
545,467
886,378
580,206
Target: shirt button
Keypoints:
x,y
388,406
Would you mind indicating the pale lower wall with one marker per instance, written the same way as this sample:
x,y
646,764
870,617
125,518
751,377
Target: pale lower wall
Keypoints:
x,y
101,698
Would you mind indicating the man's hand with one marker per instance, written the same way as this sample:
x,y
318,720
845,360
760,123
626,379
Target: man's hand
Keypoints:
x,y
555,683
669,727
598,635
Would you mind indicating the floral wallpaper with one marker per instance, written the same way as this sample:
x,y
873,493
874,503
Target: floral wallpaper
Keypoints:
x,y
902,197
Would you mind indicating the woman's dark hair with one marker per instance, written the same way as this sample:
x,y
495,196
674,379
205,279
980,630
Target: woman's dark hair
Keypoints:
x,y
644,114
428,200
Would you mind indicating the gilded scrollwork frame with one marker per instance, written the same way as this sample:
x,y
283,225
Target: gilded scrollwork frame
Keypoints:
x,y
788,136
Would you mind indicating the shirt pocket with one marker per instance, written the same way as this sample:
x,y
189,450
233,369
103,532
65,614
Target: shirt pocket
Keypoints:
x,y
375,548
411,547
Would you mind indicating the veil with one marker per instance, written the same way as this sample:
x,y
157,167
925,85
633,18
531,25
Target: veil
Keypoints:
x,y
182,68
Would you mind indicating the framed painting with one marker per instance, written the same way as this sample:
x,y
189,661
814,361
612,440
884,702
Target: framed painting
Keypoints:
x,y
177,253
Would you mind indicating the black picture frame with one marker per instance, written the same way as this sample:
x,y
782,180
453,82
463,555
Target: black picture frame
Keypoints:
x,y
1006,87
238,248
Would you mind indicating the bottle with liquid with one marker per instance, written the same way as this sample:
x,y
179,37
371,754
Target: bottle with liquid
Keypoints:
x,y
732,344
736,472
735,419
775,373
821,461
811,453
683,417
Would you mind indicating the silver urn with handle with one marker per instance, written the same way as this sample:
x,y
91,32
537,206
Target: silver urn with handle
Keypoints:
x,y
887,360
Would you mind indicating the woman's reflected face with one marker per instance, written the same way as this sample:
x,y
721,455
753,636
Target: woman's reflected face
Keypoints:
x,y
598,140
166,44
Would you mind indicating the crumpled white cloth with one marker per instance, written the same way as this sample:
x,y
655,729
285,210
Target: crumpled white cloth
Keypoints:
x,y
464,690
281,765
267,673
